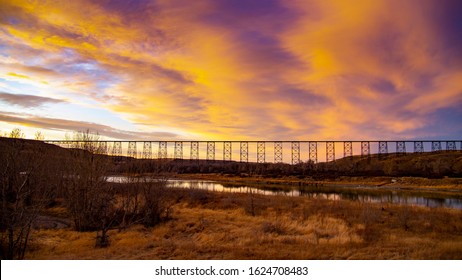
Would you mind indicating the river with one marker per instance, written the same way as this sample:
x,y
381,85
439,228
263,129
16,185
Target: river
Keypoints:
x,y
361,194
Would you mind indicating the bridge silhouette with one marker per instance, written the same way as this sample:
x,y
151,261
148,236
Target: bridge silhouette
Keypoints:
x,y
293,152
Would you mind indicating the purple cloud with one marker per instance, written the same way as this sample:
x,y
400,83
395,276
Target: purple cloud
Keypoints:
x,y
26,100
71,125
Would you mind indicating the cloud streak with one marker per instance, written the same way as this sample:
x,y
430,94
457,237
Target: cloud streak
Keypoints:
x,y
26,100
241,69
69,125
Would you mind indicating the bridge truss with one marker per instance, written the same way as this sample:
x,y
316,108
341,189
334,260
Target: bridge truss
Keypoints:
x,y
292,152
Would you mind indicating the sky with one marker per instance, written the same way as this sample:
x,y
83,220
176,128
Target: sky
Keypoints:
x,y
233,69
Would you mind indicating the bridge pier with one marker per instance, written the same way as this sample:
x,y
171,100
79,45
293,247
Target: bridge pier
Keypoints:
x,y
383,148
278,152
147,150
163,154
178,152
451,146
244,151
227,151
436,146
418,147
400,148
117,149
261,152
365,148
131,151
210,151
194,150
295,152
313,152
347,149
330,151
102,148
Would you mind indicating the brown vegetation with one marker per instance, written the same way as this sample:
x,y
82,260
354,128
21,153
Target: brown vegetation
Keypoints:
x,y
56,201
26,187
35,177
208,225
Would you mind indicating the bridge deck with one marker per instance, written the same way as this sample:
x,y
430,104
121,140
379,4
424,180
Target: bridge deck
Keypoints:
x,y
292,152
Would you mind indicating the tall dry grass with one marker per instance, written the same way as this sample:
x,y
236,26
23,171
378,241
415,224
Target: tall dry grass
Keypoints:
x,y
219,226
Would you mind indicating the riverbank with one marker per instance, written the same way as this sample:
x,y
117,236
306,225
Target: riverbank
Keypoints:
x,y
390,183
210,225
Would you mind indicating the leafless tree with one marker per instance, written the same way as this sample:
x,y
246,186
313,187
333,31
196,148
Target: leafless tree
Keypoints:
x,y
90,199
25,186
157,202
39,136
145,197
129,200
16,133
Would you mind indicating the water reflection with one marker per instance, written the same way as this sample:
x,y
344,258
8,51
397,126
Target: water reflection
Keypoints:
x,y
316,192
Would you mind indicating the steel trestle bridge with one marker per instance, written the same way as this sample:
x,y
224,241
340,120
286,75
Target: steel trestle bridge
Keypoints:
x,y
293,152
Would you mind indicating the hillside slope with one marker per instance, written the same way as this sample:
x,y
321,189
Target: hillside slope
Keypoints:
x,y
430,164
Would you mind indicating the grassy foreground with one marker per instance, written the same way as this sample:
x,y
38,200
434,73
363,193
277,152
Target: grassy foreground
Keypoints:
x,y
207,225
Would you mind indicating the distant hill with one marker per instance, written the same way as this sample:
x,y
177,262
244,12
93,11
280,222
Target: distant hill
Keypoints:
x,y
429,164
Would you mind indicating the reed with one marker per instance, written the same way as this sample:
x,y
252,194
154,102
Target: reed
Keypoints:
x,y
219,226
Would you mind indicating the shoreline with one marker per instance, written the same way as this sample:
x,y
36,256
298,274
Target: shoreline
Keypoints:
x,y
414,184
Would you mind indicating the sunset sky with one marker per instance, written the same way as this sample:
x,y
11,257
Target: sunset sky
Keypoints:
x,y
233,69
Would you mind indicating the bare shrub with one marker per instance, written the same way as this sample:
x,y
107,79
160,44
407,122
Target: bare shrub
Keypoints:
x,y
157,204
251,206
86,189
144,199
129,202
24,182
98,205
89,198
197,196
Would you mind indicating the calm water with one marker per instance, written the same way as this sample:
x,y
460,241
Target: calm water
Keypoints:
x,y
338,193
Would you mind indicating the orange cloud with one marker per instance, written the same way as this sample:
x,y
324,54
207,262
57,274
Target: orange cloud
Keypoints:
x,y
239,70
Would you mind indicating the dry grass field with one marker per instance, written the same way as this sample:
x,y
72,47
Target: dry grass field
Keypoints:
x,y
206,225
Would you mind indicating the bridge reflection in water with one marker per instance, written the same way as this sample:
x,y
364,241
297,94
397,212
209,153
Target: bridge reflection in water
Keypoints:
x,y
293,152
